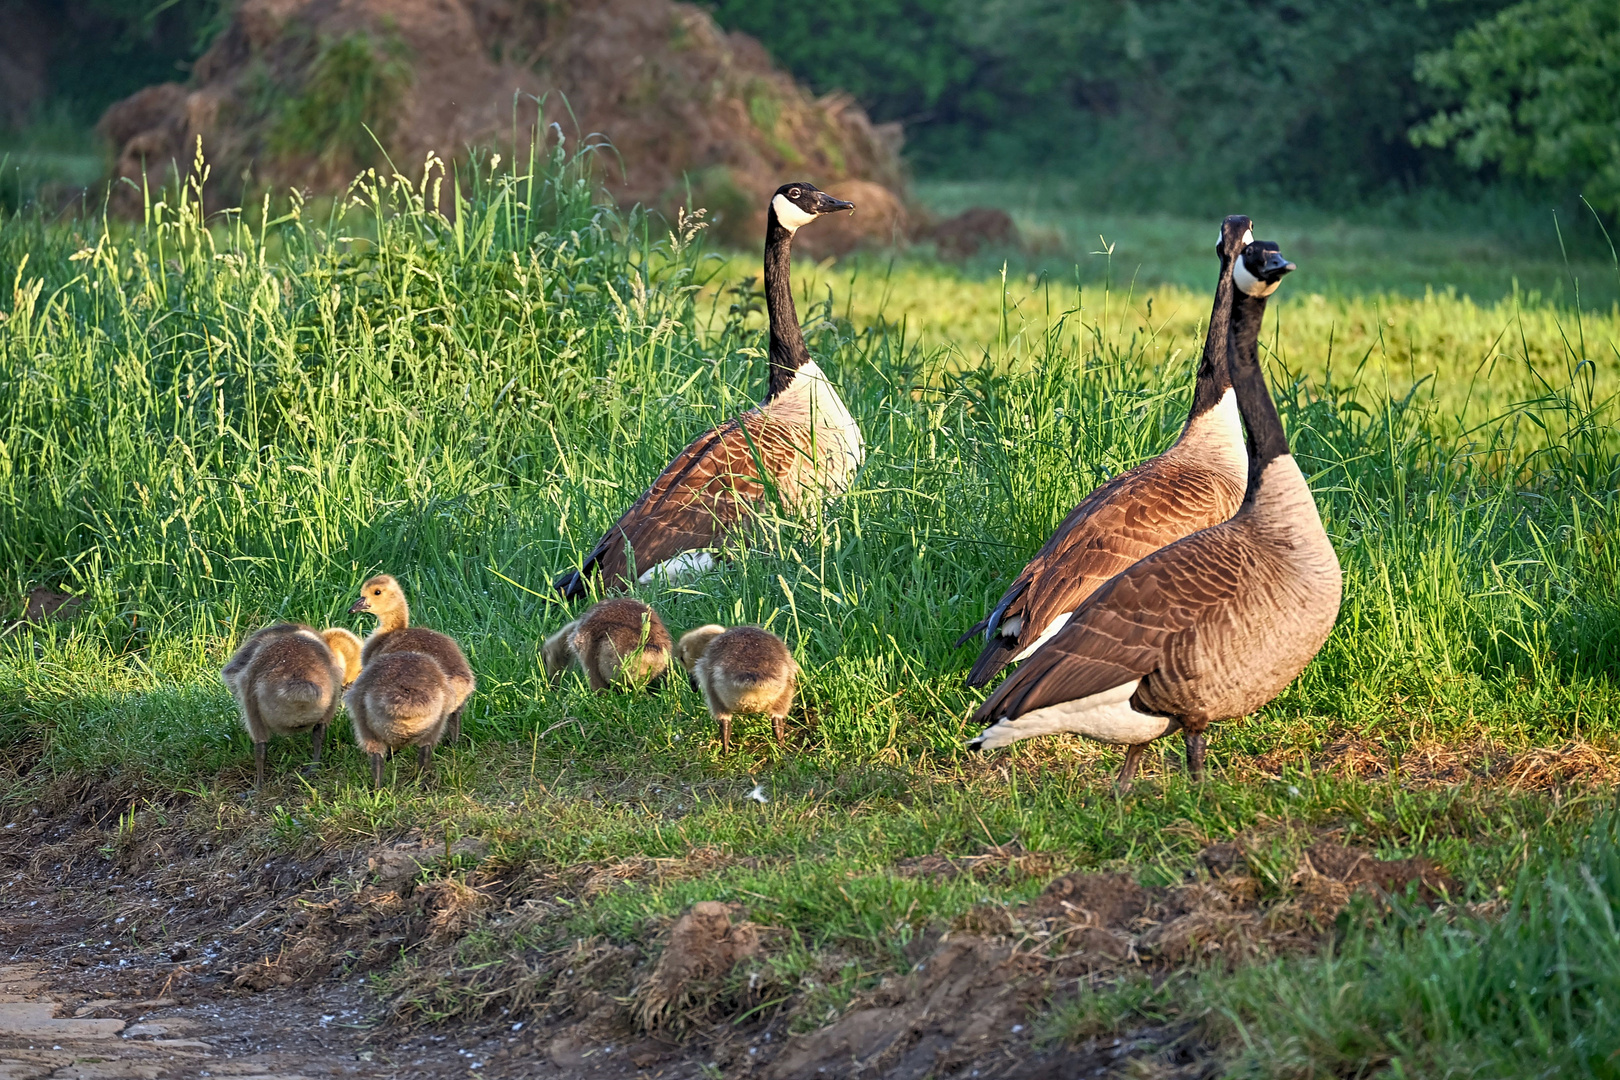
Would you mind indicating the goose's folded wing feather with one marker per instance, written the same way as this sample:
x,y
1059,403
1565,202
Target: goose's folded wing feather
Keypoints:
x,y
1123,521
1128,628
696,499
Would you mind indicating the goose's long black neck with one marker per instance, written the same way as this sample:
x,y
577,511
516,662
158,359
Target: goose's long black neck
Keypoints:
x,y
788,350
1214,371
1267,440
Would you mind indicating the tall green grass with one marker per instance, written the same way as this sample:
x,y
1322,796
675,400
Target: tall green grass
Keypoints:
x,y
1533,990
208,424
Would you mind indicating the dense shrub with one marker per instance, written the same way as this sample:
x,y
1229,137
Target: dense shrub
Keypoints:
x,y
1540,90
1309,96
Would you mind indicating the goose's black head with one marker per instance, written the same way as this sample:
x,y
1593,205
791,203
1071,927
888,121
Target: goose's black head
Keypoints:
x,y
1260,268
1237,231
800,203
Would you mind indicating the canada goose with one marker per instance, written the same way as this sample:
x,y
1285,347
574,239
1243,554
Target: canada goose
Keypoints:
x,y
1196,483
799,440
742,670
1209,628
383,597
621,641
285,679
402,698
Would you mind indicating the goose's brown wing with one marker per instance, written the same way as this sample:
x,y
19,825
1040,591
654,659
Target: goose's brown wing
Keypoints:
x,y
1130,517
1144,622
698,498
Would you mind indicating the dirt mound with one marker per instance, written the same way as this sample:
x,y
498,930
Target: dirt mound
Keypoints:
x,y
961,1001
704,945
286,95
963,235
967,1001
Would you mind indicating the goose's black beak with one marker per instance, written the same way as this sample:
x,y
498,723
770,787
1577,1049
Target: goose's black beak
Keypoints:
x,y
826,204
1276,266
359,606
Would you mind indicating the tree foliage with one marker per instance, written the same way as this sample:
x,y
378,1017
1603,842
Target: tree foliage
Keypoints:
x,y
104,50
1540,94
1313,96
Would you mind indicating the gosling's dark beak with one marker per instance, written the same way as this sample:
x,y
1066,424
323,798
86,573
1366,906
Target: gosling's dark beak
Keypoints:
x,y
826,204
359,606
1276,266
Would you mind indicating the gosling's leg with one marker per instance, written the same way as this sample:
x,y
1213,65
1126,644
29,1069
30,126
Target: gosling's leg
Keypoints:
x,y
1195,754
452,730
1127,772
725,732
424,759
258,764
317,740
779,713
376,770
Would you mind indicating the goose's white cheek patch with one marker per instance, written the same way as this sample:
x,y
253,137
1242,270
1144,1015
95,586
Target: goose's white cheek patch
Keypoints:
x,y
1251,285
789,213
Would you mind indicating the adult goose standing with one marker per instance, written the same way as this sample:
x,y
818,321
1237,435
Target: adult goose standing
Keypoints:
x,y
1196,483
799,440
1209,628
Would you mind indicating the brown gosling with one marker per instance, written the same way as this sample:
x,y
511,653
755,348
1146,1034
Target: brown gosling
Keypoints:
x,y
383,597
742,670
619,642
401,699
689,649
346,647
286,679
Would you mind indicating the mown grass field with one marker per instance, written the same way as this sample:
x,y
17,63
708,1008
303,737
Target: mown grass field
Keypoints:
x,y
206,429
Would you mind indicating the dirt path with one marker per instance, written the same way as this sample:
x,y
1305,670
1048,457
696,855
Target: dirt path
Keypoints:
x,y
190,951
51,1030
77,1005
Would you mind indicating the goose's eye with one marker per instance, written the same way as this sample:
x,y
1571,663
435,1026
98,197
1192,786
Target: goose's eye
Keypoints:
x,y
793,193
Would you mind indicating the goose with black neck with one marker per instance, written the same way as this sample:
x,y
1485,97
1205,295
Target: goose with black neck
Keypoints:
x,y
1207,629
1196,483
799,441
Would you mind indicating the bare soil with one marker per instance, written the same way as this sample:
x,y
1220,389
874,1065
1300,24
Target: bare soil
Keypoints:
x,y
196,948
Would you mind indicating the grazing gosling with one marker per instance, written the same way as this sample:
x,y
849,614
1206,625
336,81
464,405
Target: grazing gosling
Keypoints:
x,y
689,650
742,670
401,698
286,679
619,642
382,596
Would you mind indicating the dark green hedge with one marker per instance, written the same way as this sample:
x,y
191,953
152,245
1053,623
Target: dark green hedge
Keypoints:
x,y
1315,95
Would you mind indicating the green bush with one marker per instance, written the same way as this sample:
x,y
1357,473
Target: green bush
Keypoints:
x,y
1152,100
1540,90
104,50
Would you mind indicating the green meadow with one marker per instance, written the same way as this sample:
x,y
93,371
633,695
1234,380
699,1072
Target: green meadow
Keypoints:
x,y
207,425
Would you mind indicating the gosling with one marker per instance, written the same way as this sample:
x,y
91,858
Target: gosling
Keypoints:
x,y
346,647
286,679
382,596
619,642
402,698
742,670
